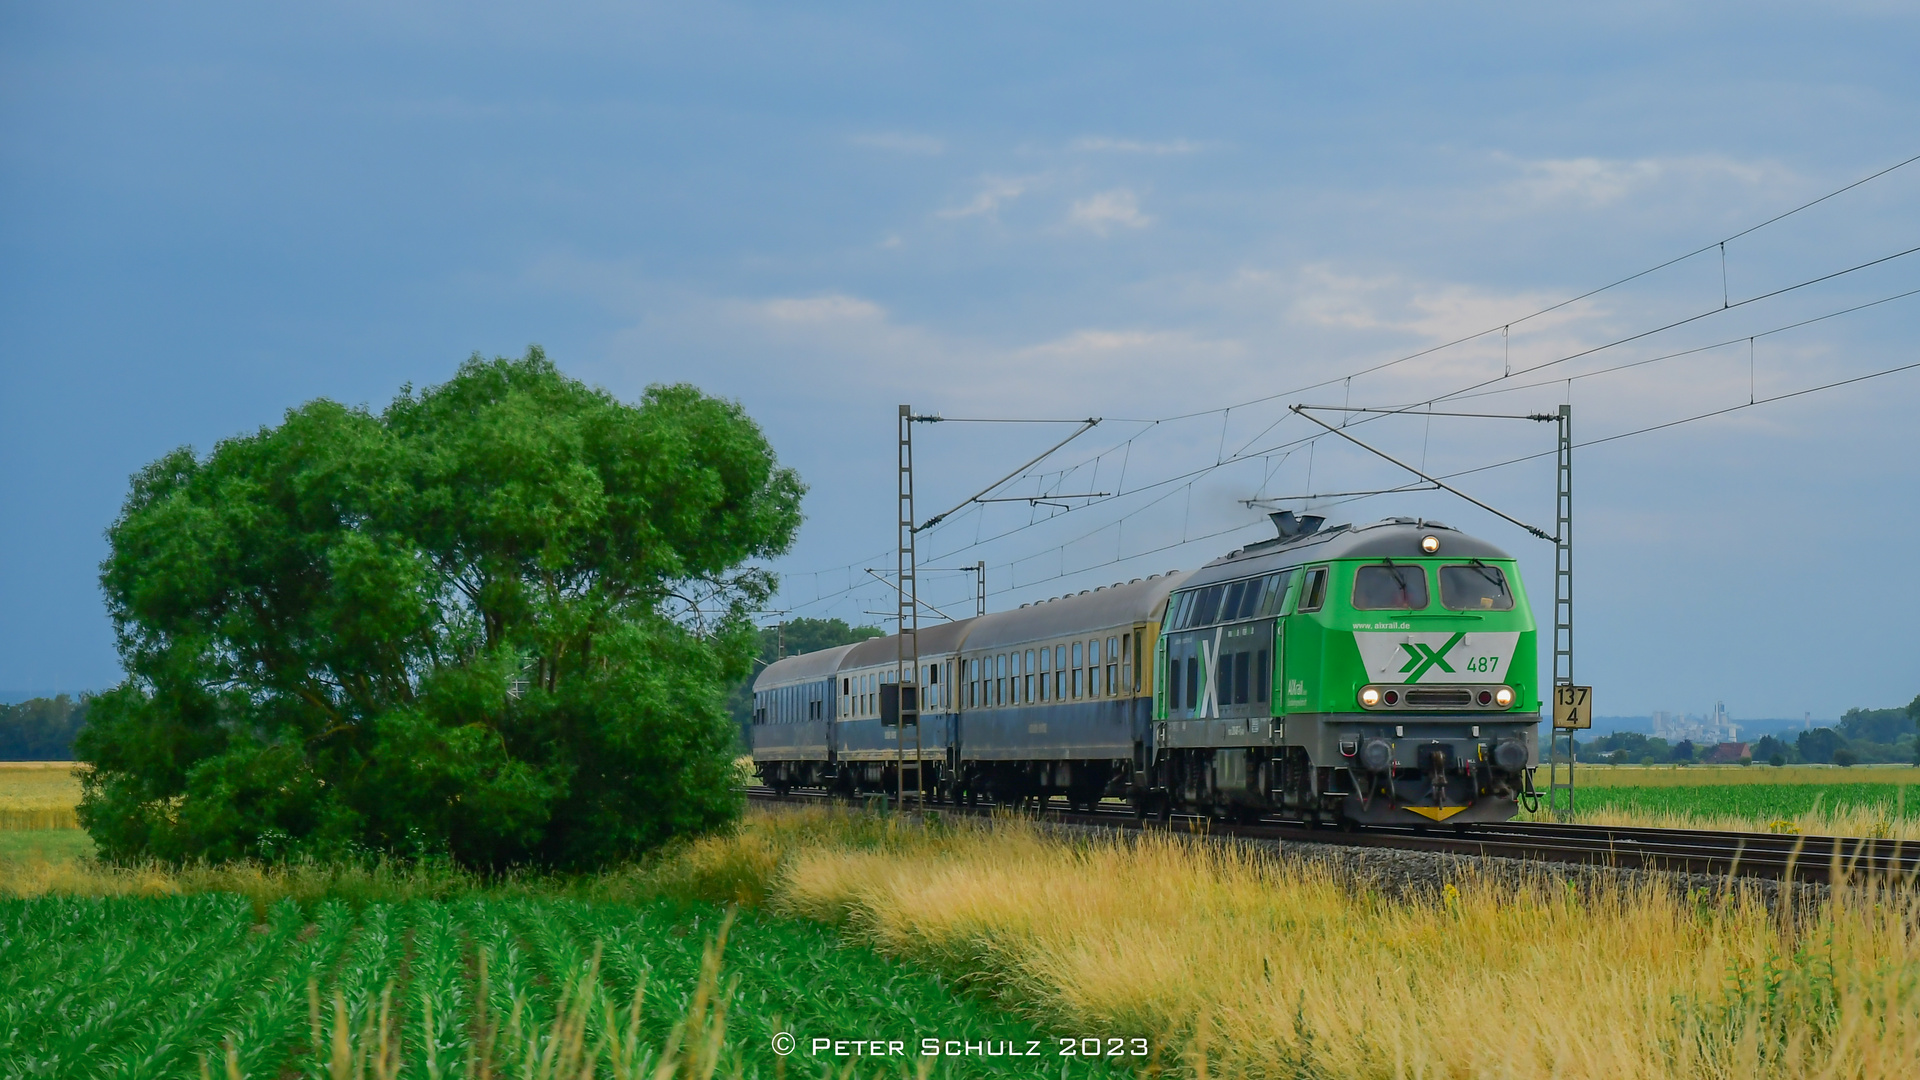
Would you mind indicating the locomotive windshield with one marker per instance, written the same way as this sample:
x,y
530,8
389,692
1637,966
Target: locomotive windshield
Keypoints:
x,y
1475,587
1387,587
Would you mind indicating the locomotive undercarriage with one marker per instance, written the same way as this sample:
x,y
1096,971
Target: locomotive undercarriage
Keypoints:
x,y
1373,774
1372,779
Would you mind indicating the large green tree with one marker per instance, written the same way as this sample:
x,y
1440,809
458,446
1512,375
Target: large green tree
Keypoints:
x,y
499,620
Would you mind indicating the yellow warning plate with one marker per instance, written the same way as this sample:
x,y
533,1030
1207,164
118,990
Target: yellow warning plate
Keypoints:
x,y
1437,813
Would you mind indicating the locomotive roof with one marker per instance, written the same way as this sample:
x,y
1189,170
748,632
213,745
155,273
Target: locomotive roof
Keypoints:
x,y
1392,538
805,667
1139,600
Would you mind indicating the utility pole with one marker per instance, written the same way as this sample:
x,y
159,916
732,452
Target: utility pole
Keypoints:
x,y
907,673
1562,607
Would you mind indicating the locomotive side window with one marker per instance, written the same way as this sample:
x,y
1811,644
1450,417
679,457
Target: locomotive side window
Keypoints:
x,y
1207,607
1262,678
1475,587
1387,587
1236,592
1193,683
1313,594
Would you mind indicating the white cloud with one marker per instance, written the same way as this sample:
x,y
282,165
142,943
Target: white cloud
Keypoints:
x,y
1601,181
1101,212
822,310
1101,143
994,191
901,142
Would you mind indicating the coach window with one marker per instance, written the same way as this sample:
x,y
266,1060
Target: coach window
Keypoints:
x,y
1389,587
1313,595
1077,654
1126,664
1093,668
1113,666
1059,673
1046,672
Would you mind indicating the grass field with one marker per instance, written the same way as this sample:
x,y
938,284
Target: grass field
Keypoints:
x,y
1224,963
1739,775
1253,968
1881,801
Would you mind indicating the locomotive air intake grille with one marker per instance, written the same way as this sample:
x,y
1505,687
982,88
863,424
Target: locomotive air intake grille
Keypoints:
x,y
1440,698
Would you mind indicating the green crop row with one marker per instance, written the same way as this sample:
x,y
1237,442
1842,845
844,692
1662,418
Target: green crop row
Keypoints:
x,y
1761,802
157,987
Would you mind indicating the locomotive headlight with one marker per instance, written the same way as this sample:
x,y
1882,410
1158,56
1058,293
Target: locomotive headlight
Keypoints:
x,y
1369,697
1503,697
1429,544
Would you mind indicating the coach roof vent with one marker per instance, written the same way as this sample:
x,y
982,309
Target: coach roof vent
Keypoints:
x,y
1291,526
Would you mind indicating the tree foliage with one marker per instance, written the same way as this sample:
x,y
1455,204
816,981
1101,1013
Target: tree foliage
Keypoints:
x,y
498,619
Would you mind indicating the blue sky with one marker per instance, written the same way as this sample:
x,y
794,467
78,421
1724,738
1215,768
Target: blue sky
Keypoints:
x,y
216,211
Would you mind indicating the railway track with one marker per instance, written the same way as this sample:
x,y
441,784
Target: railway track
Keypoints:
x,y
1807,859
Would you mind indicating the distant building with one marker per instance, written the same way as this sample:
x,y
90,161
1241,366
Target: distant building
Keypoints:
x,y
1715,727
1729,753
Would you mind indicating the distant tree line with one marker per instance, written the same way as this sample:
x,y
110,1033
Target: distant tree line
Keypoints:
x,y
41,729
1862,737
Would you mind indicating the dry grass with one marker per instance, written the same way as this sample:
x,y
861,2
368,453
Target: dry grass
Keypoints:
x,y
1242,966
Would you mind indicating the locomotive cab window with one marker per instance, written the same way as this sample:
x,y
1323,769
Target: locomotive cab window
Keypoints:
x,y
1389,587
1313,594
1475,587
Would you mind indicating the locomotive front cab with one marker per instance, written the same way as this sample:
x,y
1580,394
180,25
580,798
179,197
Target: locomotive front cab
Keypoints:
x,y
1427,703
1386,674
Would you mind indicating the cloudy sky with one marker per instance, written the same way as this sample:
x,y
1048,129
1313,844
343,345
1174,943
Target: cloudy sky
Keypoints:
x,y
1144,213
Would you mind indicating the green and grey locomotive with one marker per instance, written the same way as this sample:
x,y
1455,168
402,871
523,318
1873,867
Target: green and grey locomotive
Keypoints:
x,y
1371,674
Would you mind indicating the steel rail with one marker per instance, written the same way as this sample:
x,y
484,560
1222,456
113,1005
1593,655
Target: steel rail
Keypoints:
x,y
1800,858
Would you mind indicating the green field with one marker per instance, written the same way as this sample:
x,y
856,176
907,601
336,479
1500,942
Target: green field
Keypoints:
x,y
1760,802
146,972
149,987
1737,775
